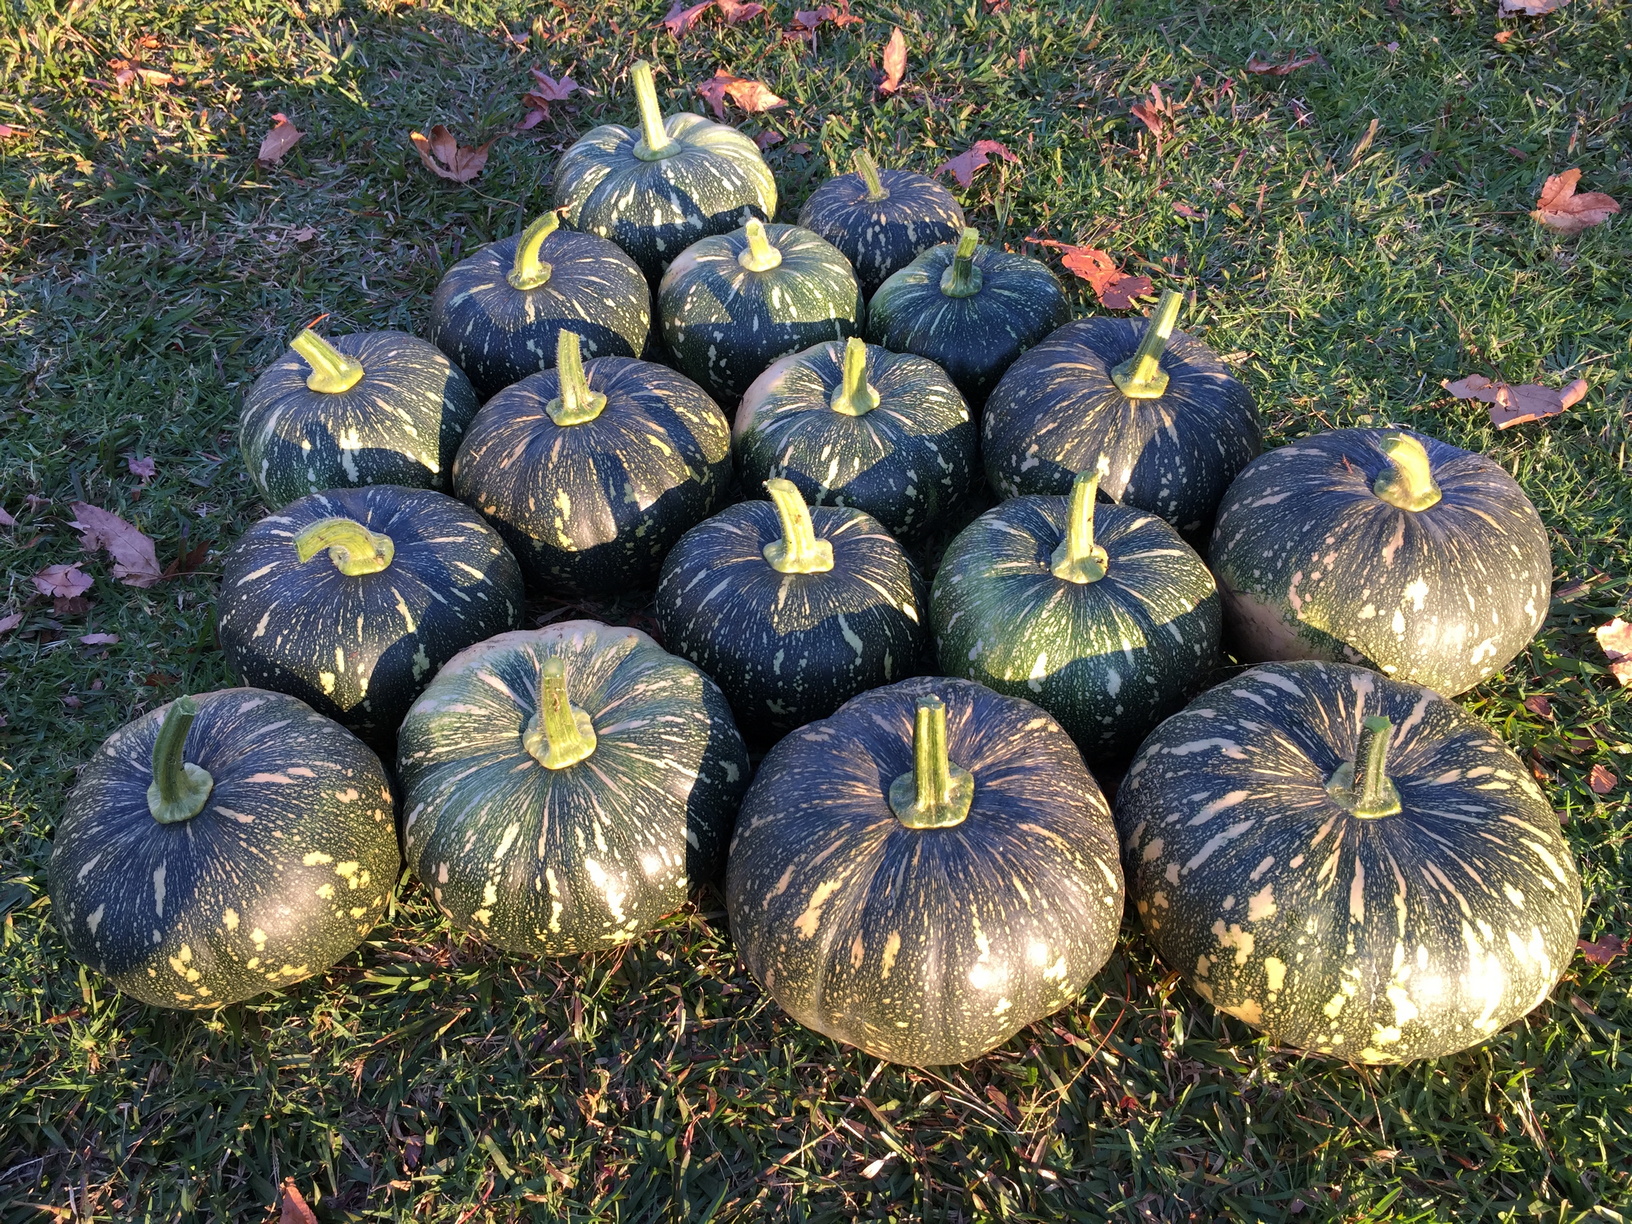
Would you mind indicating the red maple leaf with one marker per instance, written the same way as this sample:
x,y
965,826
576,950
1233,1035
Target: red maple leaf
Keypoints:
x,y
963,166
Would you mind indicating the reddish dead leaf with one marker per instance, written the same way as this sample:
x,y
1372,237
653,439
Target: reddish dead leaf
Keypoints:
x,y
1539,706
963,166
1159,114
8,623
546,90
1529,8
99,639
62,581
283,137
750,96
1503,36
128,72
1615,639
188,561
145,468
1114,290
72,702
839,14
304,234
735,13
1602,950
895,62
134,561
1601,780
446,158
1520,405
292,1208
766,139
1189,214
7,129
1560,208
683,16
159,679
799,147
1260,67
5,519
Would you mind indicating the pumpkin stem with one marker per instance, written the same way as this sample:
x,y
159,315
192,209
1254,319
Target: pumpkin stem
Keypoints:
x,y
559,734
935,794
1409,483
576,403
1362,785
962,279
759,255
655,143
867,169
1078,558
854,396
1142,376
179,788
354,549
798,551
529,271
332,370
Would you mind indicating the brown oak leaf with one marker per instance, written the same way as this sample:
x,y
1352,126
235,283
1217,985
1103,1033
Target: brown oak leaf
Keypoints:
x,y
1615,640
1260,67
839,14
134,561
1603,949
1159,114
445,157
292,1208
545,90
62,581
144,467
683,16
735,13
750,96
1539,706
1601,780
8,623
895,62
283,137
963,166
1560,208
1520,405
766,139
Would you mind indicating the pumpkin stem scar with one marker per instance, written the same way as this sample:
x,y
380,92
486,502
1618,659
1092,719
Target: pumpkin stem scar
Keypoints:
x,y
1363,785
1078,558
559,733
1409,481
1141,376
934,794
854,397
798,551
576,403
759,255
529,271
867,169
962,279
179,788
655,142
332,371
354,549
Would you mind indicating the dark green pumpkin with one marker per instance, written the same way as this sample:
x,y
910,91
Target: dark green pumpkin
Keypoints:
x,y
856,425
591,471
497,313
969,308
566,787
351,599
733,303
792,610
222,846
925,873
881,219
1409,915
1100,614
369,408
1384,547
1171,435
656,190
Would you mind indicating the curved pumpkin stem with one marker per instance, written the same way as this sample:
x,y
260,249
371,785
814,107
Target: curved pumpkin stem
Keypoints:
x,y
655,142
864,165
559,734
854,396
1142,376
529,271
1078,558
936,794
798,551
576,403
1363,785
1409,483
332,371
354,549
962,279
179,788
759,255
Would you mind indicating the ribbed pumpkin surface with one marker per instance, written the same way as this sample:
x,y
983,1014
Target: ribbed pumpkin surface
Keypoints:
x,y
1377,939
924,946
880,237
554,861
284,871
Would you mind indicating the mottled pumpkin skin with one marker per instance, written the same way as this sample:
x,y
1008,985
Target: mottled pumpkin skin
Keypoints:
x,y
1108,659
592,508
284,871
787,648
499,334
556,861
924,946
655,209
1376,940
1312,564
400,424
880,237
908,462
1057,411
360,648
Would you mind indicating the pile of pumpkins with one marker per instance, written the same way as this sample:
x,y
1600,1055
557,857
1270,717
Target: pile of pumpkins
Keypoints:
x,y
1323,845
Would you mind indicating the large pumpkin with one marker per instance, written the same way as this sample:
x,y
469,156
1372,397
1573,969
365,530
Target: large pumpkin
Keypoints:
x,y
369,408
925,873
1354,865
222,846
1384,547
566,787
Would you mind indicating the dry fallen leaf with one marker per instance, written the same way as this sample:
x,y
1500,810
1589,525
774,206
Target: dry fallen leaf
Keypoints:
x,y
145,467
1603,950
546,90
1189,214
750,96
1615,640
963,166
304,234
1521,405
766,139
1601,780
99,639
683,16
292,1208
1503,36
134,561
8,623
839,14
446,158
1260,67
1529,8
1114,290
5,519
62,581
1159,114
127,72
1559,208
735,13
7,129
278,141
895,62
1539,706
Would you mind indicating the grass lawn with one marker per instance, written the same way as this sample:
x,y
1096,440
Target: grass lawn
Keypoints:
x,y
1357,232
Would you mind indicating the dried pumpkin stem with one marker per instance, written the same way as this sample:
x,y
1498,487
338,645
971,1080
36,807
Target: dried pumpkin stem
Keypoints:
x,y
1078,558
864,165
179,789
529,271
576,403
1142,376
962,279
798,551
759,255
655,142
332,371
1363,785
1409,482
353,548
559,734
854,396
935,794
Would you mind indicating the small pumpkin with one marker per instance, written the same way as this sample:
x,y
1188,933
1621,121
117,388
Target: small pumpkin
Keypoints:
x,y
657,190
925,873
351,599
971,309
591,471
1384,547
881,219
369,408
222,846
856,425
1101,614
497,313
733,303
1171,424
792,609
567,786
1354,865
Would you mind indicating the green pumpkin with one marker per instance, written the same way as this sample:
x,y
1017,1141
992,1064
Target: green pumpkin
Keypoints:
x,y
856,425
566,787
734,303
1100,614
351,599
222,846
792,610
1383,547
881,219
657,190
1156,406
370,408
591,471
497,313
925,873
969,308
1354,865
